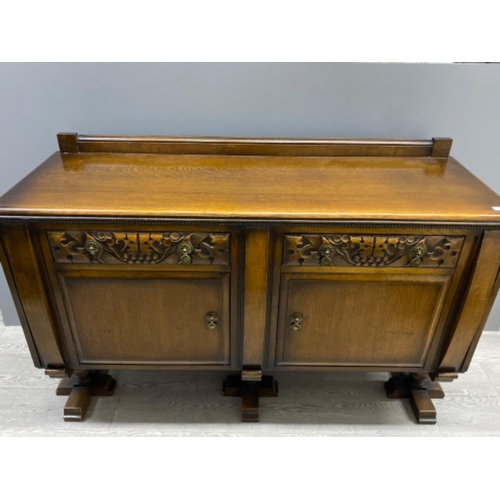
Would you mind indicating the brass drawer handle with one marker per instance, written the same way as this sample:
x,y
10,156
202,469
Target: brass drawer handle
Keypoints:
x,y
296,321
92,247
325,255
417,255
212,318
185,249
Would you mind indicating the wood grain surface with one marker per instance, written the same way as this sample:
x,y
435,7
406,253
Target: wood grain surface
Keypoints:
x,y
160,320
78,143
358,320
251,255
278,187
478,302
255,302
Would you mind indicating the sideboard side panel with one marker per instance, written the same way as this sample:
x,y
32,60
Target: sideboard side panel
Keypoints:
x,y
478,301
17,302
27,287
257,254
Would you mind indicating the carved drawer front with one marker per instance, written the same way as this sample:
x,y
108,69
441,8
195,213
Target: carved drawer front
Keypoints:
x,y
167,318
371,250
139,247
372,321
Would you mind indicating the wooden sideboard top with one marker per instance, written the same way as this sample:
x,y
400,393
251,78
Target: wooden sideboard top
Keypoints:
x,y
293,179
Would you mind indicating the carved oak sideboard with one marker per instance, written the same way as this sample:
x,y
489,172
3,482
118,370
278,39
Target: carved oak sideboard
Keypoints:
x,y
252,256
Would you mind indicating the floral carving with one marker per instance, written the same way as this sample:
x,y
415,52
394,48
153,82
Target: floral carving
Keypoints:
x,y
132,247
371,250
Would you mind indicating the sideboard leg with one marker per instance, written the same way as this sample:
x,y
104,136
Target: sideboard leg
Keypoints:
x,y
422,381
397,386
80,387
420,390
250,402
250,393
77,404
422,406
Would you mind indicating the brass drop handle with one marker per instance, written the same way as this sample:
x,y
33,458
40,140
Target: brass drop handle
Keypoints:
x,y
186,249
296,321
325,255
212,318
417,255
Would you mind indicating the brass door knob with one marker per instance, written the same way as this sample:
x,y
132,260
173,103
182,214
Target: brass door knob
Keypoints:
x,y
296,321
212,318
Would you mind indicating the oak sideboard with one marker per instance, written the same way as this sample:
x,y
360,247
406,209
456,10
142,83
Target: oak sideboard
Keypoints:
x,y
251,256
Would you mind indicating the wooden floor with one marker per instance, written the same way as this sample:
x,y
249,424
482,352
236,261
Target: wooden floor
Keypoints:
x,y
157,403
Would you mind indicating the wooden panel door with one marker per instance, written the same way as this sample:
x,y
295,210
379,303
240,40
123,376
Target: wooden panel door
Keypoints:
x,y
362,320
148,318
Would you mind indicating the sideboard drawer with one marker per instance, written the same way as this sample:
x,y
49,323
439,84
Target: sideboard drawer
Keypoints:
x,y
371,250
139,247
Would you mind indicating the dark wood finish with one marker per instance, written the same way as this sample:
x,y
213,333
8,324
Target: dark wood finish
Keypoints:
x,y
250,402
449,307
147,318
371,250
72,143
82,385
251,255
255,185
250,392
441,147
68,142
359,320
420,390
56,372
99,383
23,270
167,273
423,409
479,298
139,247
251,373
257,249
400,385
18,304
232,386
447,377
77,404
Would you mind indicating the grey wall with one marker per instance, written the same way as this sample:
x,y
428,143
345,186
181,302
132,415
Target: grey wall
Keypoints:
x,y
264,99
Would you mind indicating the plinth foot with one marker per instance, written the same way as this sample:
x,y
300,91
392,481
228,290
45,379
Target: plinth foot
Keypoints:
x,y
250,393
80,387
420,390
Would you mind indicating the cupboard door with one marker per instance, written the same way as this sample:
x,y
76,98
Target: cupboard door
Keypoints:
x,y
148,318
365,320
